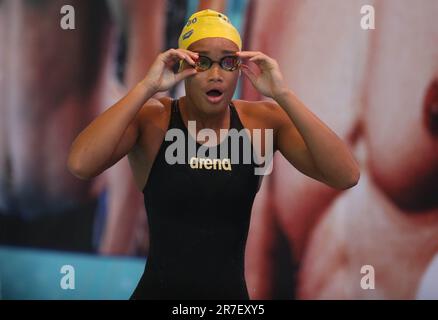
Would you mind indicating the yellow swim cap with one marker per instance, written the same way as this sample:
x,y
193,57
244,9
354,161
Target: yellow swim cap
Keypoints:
x,y
208,24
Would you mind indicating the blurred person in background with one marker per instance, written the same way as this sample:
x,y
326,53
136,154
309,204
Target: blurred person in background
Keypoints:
x,y
53,81
378,90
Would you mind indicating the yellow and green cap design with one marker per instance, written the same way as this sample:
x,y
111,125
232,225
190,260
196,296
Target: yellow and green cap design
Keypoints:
x,y
208,24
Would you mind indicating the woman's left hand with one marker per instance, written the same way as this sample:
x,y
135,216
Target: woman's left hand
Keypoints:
x,y
268,79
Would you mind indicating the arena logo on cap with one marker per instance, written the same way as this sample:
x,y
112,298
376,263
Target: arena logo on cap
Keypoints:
x,y
187,34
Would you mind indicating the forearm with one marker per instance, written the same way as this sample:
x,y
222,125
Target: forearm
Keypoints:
x,y
330,154
94,146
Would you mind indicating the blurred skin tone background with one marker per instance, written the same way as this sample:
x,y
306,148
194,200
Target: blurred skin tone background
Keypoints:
x,y
377,89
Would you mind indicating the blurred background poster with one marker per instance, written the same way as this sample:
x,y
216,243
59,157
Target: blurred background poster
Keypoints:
x,y
369,69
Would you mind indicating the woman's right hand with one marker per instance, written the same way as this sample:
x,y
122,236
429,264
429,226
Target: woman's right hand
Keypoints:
x,y
161,77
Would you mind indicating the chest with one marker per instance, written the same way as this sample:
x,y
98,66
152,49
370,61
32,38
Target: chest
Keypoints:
x,y
210,174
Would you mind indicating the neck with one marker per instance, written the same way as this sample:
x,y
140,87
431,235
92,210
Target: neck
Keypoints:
x,y
215,121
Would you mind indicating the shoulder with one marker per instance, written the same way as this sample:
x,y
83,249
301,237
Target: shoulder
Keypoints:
x,y
155,112
260,114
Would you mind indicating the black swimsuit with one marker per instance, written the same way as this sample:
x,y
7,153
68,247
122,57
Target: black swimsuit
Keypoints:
x,y
198,221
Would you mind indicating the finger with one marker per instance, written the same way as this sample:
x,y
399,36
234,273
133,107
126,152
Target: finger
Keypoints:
x,y
189,56
245,66
248,70
189,60
185,74
192,54
259,59
255,72
249,73
175,55
247,54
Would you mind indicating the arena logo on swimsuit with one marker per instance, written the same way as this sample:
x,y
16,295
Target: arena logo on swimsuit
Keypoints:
x,y
244,147
210,164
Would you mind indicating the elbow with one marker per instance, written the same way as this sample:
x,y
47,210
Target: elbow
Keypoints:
x,y
351,181
345,181
77,169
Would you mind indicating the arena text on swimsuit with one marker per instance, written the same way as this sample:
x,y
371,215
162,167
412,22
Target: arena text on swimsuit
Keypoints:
x,y
252,143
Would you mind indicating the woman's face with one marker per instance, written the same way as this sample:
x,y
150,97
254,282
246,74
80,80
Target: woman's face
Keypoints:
x,y
212,90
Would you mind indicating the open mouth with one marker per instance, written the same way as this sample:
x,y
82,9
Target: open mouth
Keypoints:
x,y
214,95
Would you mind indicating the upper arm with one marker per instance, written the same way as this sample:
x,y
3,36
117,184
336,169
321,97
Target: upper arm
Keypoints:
x,y
132,133
292,146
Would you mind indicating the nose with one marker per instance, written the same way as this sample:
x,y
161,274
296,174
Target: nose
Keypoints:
x,y
215,73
